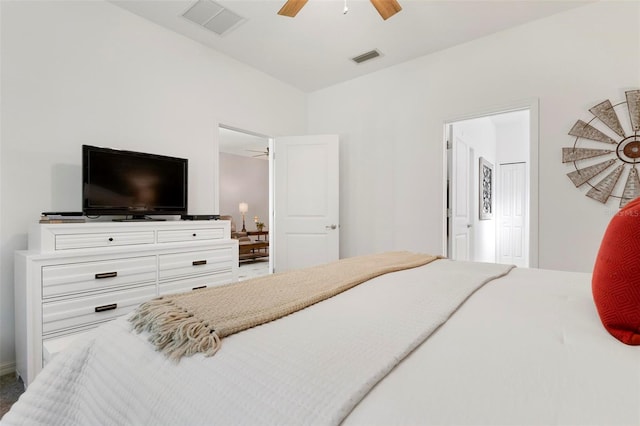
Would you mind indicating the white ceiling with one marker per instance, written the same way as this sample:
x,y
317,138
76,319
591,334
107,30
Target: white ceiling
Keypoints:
x,y
313,50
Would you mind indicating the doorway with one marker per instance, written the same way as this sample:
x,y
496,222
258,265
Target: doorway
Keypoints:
x,y
244,176
491,186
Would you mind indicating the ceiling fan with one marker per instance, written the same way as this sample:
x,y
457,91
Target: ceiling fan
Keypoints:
x,y
386,8
261,153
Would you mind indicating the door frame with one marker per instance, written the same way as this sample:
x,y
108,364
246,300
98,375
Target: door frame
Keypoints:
x,y
532,105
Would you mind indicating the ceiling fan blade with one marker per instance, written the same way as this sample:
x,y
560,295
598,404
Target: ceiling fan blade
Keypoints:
x,y
292,7
386,8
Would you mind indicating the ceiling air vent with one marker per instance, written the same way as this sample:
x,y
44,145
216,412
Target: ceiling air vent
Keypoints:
x,y
366,56
212,16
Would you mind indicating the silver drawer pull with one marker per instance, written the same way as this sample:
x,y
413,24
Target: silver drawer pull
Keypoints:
x,y
106,307
198,288
106,275
199,262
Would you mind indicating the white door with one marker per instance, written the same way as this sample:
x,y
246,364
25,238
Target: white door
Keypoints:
x,y
461,223
306,201
512,214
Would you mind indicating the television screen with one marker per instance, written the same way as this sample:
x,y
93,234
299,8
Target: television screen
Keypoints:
x,y
132,183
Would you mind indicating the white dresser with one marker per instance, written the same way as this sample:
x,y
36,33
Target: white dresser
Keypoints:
x,y
76,276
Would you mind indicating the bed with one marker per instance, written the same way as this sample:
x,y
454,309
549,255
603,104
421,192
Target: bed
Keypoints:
x,y
517,347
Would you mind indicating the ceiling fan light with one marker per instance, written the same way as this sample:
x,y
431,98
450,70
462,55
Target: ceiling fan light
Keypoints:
x,y
386,8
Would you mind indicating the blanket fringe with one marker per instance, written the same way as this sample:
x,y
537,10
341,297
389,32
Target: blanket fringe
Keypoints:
x,y
183,324
173,330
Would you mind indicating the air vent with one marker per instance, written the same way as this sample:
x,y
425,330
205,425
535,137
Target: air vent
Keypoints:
x,y
366,56
213,17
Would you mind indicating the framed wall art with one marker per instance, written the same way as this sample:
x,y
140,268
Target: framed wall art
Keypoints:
x,y
486,189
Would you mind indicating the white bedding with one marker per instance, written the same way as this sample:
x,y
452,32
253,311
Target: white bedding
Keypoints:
x,y
524,349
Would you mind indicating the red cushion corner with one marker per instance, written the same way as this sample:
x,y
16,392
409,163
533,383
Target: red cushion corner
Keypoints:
x,y
616,275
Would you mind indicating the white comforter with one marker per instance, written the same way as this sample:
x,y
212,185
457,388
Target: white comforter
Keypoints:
x,y
309,368
525,349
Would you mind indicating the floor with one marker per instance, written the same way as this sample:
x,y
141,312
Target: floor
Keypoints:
x,y
11,387
255,268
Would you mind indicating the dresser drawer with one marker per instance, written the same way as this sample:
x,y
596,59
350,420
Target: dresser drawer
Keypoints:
x,y
78,312
201,262
224,276
83,277
102,239
180,235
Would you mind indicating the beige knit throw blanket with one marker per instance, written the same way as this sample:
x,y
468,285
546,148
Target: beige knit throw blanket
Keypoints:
x,y
184,324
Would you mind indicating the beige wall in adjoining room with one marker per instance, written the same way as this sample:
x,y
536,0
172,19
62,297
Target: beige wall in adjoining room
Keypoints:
x,y
244,179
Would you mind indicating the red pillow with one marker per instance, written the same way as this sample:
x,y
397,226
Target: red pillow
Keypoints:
x,y
616,275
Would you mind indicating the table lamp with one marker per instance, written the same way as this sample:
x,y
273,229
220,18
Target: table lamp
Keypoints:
x,y
243,207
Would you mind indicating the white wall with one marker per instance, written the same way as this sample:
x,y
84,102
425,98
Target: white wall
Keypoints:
x,y
391,128
244,179
77,72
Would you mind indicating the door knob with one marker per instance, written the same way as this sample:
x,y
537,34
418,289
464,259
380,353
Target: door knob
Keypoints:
x,y
331,227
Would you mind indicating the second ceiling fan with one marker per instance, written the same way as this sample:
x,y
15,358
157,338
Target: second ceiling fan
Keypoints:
x,y
386,8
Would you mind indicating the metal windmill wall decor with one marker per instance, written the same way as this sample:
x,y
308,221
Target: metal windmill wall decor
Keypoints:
x,y
617,127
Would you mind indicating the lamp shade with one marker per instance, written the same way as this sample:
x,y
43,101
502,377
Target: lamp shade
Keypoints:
x,y
243,207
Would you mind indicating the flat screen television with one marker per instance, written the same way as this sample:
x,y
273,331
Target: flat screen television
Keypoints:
x,y
135,184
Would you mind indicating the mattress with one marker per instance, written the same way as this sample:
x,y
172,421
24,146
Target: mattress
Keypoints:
x,y
527,349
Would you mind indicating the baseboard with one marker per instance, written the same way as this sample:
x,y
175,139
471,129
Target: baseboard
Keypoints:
x,y
7,368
